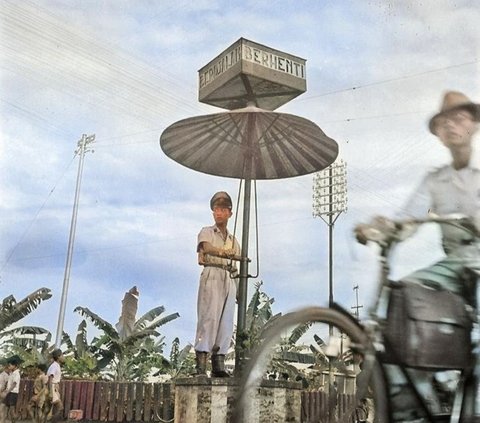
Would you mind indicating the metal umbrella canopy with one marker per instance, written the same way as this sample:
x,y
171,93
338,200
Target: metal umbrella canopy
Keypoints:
x,y
248,144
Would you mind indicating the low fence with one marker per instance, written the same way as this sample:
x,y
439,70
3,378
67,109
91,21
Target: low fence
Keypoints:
x,y
150,402
315,406
109,401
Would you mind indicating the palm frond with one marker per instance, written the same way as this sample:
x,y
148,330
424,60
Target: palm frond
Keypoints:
x,y
139,335
272,321
81,344
26,343
264,312
8,303
320,342
149,317
297,357
160,322
67,341
98,322
126,323
184,353
253,305
25,330
298,332
13,311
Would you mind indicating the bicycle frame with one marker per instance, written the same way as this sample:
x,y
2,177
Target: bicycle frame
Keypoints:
x,y
378,315
369,340
373,331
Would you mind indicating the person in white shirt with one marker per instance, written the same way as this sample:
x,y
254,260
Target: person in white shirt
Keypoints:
x,y
54,374
13,387
453,189
217,291
3,393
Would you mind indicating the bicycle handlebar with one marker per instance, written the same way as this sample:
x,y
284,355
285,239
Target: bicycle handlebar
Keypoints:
x,y
452,219
384,231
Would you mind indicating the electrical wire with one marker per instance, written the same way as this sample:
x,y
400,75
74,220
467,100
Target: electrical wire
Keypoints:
x,y
143,94
29,226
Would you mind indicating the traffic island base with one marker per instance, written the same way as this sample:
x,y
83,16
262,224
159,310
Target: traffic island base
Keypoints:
x,y
212,400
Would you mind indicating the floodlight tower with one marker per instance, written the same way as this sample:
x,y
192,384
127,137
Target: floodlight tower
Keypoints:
x,y
329,201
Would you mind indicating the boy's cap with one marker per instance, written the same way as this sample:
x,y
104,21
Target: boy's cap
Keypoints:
x,y
221,199
57,353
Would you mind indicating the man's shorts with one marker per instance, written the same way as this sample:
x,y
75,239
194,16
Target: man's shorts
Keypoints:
x,y
56,398
11,399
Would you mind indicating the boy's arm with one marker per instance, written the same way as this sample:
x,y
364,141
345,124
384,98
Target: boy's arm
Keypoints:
x,y
9,389
208,248
50,386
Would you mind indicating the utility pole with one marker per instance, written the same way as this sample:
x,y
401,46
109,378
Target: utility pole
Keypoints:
x,y
356,307
329,201
82,148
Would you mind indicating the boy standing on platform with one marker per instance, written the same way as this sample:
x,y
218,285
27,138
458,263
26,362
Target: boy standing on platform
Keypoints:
x,y
216,249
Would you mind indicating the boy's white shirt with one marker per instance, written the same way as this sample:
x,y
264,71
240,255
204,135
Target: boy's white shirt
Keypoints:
x,y
55,371
13,384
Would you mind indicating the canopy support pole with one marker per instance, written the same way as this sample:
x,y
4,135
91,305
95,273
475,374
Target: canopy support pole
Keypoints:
x,y
241,335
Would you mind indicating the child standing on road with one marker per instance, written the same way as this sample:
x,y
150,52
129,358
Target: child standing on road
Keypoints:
x,y
13,387
40,391
54,374
3,389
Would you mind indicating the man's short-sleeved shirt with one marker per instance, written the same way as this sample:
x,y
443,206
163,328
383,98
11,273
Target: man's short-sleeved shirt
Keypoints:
x,y
55,371
446,191
213,235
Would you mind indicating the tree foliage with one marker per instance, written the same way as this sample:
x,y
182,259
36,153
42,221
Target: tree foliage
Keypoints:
x,y
132,348
181,362
29,342
12,311
288,353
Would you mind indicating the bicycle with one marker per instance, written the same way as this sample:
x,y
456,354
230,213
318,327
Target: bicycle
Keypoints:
x,y
372,341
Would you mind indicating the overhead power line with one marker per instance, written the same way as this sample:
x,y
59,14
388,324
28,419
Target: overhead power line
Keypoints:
x,y
386,81
27,229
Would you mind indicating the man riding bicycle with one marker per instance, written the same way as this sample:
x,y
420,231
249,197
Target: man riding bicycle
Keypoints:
x,y
453,189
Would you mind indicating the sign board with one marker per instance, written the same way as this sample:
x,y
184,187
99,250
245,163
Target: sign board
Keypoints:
x,y
250,72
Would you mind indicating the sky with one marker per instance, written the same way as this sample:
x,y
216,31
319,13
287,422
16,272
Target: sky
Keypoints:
x,y
126,70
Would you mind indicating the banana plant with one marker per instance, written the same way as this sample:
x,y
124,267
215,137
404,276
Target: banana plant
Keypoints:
x,y
121,348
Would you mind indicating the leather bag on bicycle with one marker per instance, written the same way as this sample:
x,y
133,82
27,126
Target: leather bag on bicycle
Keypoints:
x,y
427,328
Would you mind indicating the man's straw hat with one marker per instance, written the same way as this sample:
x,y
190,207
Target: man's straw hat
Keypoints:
x,y
454,100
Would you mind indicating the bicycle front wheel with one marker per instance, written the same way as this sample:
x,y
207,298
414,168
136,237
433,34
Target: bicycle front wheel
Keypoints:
x,y
345,398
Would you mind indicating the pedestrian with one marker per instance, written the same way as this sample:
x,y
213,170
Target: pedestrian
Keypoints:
x,y
3,388
13,387
216,247
54,374
36,404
